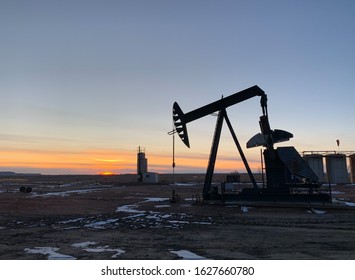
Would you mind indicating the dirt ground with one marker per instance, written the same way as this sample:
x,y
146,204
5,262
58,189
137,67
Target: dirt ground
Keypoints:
x,y
95,217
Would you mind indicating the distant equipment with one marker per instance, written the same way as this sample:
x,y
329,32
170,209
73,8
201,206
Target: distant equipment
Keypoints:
x,y
315,162
142,163
289,177
142,168
24,189
336,171
336,168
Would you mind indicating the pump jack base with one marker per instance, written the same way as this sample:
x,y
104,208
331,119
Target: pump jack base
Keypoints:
x,y
274,196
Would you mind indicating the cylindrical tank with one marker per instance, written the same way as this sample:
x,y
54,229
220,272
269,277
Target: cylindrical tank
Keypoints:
x,y
352,168
336,169
315,162
142,162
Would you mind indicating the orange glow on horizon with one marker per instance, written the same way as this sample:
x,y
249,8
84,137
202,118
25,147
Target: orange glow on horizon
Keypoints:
x,y
110,162
107,173
67,162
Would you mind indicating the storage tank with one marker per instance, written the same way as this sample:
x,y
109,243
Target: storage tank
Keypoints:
x,y
352,168
315,162
336,169
142,163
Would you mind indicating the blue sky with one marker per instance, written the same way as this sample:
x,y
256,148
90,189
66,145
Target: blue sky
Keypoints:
x,y
78,77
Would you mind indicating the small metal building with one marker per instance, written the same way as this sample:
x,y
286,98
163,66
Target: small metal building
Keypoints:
x,y
336,169
150,177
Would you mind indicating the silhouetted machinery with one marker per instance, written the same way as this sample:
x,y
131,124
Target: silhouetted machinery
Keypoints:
x,y
288,176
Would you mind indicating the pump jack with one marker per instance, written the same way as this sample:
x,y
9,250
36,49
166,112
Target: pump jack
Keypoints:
x,y
289,178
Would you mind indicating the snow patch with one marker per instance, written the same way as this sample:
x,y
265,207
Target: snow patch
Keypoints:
x,y
155,199
129,209
337,192
51,252
105,249
83,244
101,224
187,255
244,209
202,223
178,222
100,249
71,221
64,194
184,184
352,204
318,212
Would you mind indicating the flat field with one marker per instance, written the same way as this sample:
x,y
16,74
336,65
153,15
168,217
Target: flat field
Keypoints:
x,y
114,217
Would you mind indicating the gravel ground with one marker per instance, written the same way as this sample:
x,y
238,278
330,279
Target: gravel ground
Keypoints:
x,y
91,217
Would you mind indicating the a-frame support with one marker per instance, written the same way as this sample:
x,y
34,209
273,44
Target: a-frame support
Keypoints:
x,y
213,154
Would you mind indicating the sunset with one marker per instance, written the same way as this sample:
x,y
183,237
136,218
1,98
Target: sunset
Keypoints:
x,y
107,162
138,133
83,85
107,173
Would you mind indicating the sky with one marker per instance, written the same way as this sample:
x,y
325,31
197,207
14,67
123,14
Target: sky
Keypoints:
x,y
83,84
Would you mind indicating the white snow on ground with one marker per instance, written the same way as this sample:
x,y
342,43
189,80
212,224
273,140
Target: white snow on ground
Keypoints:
x,y
352,204
139,215
318,212
157,219
129,209
155,199
157,215
106,249
184,184
187,255
86,247
64,194
136,218
90,189
71,221
342,201
178,222
337,192
101,224
84,244
202,223
70,184
51,252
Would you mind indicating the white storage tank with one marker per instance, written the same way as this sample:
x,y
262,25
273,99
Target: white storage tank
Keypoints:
x,y
336,169
352,168
315,162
